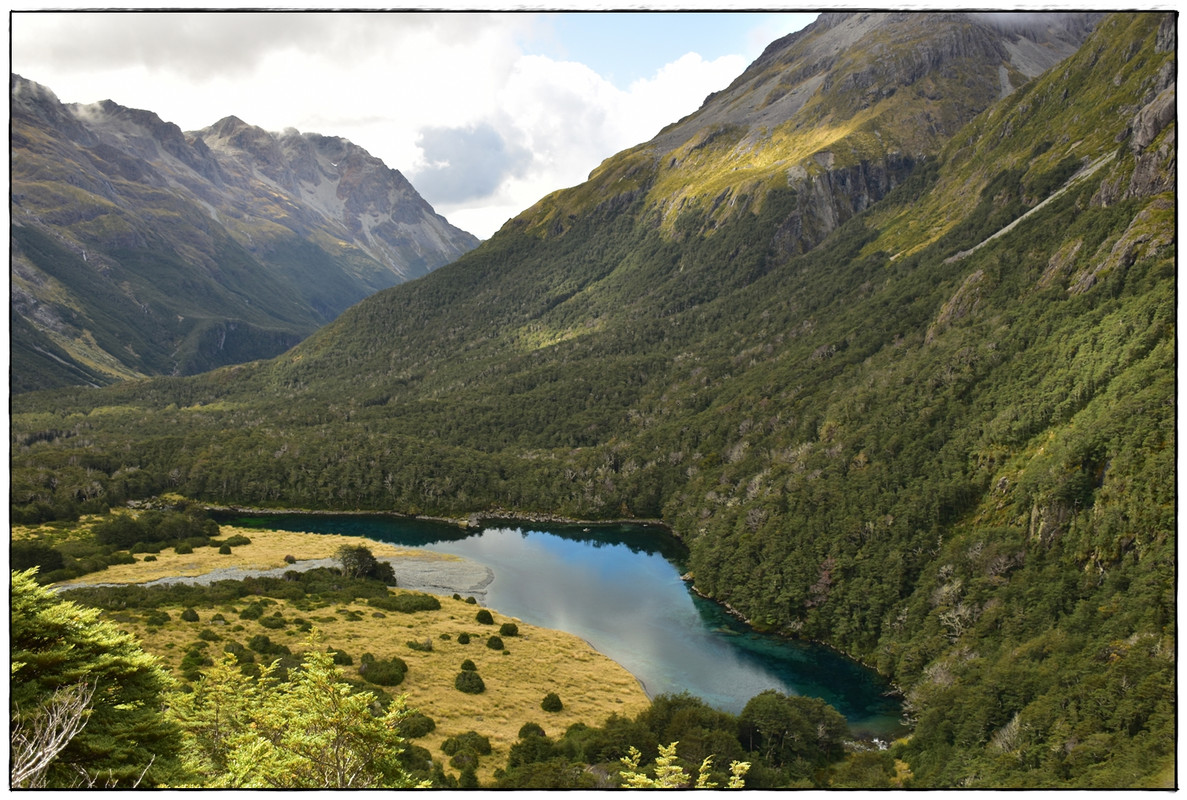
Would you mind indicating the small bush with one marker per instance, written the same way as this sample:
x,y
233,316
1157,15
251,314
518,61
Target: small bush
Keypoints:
x,y
189,615
508,629
265,646
407,603
208,635
425,646
416,725
384,673
274,622
471,601
470,740
530,729
484,617
445,637
469,682
156,618
465,760
290,559
224,550
552,702
341,657
253,611
236,541
463,638
468,666
494,643
183,549
150,558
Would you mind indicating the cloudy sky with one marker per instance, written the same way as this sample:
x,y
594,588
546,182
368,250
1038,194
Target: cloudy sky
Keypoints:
x,y
484,112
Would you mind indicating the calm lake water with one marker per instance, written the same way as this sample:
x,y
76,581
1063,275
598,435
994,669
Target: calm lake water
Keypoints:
x,y
619,588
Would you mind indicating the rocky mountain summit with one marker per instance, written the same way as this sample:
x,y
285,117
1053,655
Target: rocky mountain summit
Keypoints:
x,y
139,249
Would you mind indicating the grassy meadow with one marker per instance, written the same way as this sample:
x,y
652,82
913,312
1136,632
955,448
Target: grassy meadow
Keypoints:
x,y
530,665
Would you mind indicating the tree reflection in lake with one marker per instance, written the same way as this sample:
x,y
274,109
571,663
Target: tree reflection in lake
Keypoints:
x,y
619,588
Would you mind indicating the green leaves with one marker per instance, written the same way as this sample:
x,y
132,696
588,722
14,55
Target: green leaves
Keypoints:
x,y
307,732
127,740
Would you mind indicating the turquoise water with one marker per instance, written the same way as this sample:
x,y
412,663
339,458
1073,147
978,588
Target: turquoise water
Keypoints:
x,y
619,588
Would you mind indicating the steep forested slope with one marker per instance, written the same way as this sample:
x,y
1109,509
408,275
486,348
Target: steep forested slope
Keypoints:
x,y
138,249
946,451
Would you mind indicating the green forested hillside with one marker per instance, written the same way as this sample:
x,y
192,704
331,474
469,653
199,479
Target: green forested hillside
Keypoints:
x,y
948,453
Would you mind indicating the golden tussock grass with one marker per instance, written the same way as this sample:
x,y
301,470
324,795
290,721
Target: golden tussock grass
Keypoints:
x,y
537,661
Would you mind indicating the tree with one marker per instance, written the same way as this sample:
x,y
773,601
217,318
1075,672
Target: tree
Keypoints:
x,y
786,729
121,738
310,731
356,560
670,775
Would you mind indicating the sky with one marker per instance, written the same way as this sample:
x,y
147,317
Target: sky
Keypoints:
x,y
485,113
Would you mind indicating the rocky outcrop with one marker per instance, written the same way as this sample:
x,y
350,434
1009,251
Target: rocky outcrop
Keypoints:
x,y
826,199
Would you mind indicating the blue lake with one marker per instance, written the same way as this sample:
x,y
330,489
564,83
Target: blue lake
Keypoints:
x,y
619,588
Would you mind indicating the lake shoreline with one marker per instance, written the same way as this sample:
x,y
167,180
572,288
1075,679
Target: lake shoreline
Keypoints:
x,y
469,521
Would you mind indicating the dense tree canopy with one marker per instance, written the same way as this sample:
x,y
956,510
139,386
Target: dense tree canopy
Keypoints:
x,y
127,739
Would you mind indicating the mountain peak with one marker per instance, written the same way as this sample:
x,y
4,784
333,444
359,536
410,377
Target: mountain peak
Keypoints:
x,y
212,247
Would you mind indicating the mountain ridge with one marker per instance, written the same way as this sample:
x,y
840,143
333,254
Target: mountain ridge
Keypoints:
x,y
267,245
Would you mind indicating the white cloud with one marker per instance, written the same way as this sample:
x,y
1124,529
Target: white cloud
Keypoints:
x,y
392,83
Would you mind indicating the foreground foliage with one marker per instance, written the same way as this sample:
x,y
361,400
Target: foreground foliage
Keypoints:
x,y
311,731
67,662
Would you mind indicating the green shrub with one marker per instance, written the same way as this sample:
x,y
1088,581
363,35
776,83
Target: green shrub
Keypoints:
x,y
464,760
416,725
468,666
341,657
471,601
463,638
469,682
552,702
150,558
208,635
508,629
189,615
407,603
183,549
494,643
236,541
224,550
470,740
241,653
425,646
484,617
26,555
253,611
384,673
274,622
156,618
530,729
265,646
